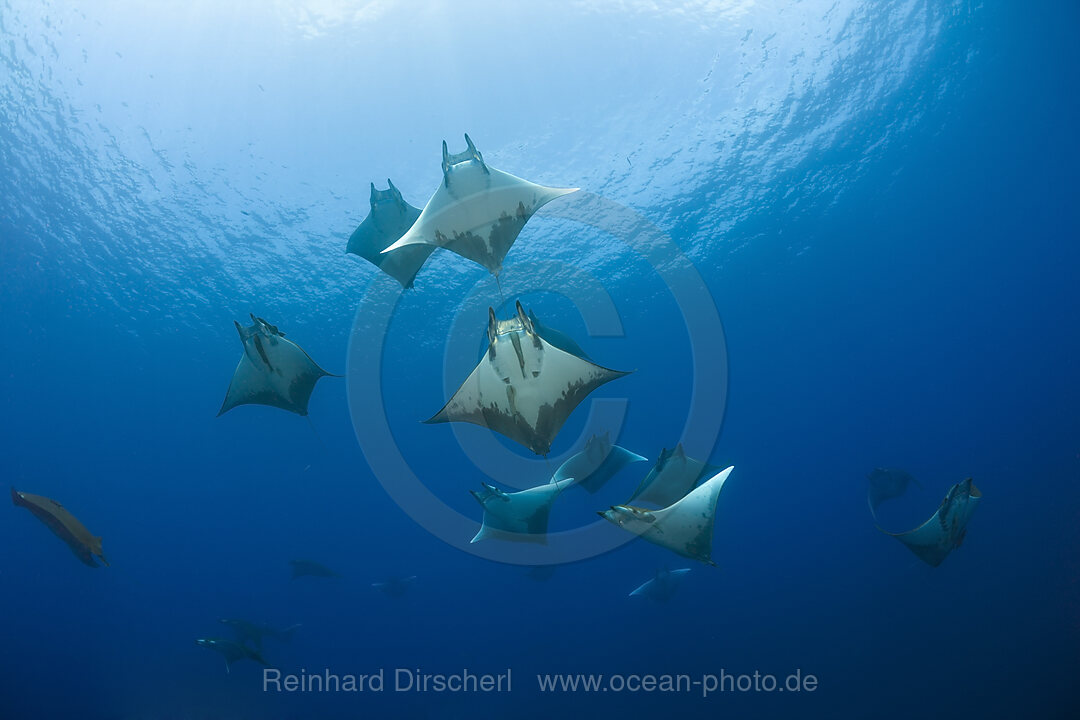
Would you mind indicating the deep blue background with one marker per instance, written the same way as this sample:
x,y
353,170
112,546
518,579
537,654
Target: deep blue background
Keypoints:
x,y
930,322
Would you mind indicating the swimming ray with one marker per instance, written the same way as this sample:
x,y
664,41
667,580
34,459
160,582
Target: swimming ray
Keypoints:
x,y
310,568
232,651
395,586
685,527
947,527
519,516
250,633
673,476
389,219
478,211
272,371
63,524
886,484
523,387
662,586
597,463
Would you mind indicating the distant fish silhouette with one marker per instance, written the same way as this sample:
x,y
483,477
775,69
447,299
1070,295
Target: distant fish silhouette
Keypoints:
x,y
310,568
394,586
947,527
596,464
886,484
685,527
673,476
253,633
272,371
63,524
663,586
478,211
389,219
523,387
232,651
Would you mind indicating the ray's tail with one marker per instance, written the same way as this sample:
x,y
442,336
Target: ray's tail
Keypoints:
x,y
318,437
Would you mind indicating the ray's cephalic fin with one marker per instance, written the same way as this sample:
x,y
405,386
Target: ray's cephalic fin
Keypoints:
x,y
470,153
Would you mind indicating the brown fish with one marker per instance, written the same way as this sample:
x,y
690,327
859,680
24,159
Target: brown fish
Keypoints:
x,y
63,524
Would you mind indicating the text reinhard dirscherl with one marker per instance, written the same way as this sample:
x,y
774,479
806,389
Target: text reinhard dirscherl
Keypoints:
x,y
401,680
467,681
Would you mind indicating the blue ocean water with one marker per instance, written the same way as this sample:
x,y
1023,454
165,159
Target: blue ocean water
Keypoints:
x,y
879,197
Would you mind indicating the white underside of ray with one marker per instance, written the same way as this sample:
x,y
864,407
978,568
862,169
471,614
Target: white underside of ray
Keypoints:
x,y
478,213
526,397
520,516
944,531
284,379
659,587
686,527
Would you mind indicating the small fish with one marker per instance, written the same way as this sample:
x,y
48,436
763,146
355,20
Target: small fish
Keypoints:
x,y
63,524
